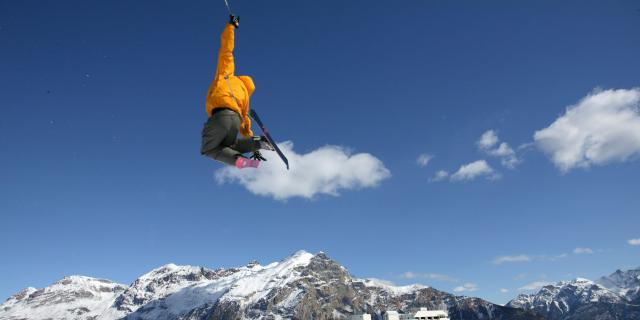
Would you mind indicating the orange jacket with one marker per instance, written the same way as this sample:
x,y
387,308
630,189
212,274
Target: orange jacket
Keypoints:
x,y
228,90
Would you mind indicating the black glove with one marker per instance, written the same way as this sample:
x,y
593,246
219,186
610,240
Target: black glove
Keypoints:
x,y
258,156
235,21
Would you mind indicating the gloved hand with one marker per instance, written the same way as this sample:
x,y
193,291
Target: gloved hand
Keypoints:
x,y
258,156
235,21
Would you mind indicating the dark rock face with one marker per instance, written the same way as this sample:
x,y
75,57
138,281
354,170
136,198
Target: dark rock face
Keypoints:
x,y
326,291
605,311
139,297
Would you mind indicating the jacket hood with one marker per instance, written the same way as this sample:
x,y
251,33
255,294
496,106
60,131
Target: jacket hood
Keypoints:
x,y
248,83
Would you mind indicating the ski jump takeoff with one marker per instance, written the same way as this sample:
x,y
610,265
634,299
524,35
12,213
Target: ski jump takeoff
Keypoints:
x,y
228,109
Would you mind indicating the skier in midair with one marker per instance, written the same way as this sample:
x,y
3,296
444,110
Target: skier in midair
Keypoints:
x,y
228,107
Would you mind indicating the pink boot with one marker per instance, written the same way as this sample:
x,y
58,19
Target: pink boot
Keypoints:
x,y
242,162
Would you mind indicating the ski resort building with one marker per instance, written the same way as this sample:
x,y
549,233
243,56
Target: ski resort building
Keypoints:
x,y
391,315
420,314
426,314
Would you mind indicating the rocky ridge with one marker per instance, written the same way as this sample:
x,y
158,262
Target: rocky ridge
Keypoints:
x,y
74,297
579,299
303,286
625,283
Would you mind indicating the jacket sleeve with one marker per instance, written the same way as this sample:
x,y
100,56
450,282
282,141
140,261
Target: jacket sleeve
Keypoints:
x,y
225,55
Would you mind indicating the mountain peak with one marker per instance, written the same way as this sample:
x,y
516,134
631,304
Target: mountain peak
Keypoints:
x,y
391,287
300,253
168,269
73,297
253,263
564,299
321,255
624,282
301,286
78,279
301,257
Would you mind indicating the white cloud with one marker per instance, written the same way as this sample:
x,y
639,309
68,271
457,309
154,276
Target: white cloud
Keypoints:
x,y
510,259
473,170
489,143
430,276
541,257
467,287
634,242
326,170
440,175
503,290
555,257
423,159
603,127
583,251
503,150
488,140
526,146
507,156
536,285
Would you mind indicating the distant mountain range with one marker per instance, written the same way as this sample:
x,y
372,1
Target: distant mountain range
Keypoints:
x,y
615,296
302,286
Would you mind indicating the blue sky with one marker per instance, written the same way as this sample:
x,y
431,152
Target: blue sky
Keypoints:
x,y
103,102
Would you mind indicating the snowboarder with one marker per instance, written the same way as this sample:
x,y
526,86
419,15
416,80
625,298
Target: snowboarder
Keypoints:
x,y
228,109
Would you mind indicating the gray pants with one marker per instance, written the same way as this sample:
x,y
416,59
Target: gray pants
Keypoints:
x,y
220,138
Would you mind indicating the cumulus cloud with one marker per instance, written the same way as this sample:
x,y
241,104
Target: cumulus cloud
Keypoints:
x,y
603,127
583,251
326,170
490,144
503,290
634,242
488,140
473,170
429,276
423,159
536,285
467,287
511,259
440,175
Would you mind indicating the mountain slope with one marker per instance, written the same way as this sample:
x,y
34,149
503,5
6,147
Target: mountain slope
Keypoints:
x,y
625,283
577,299
74,297
303,286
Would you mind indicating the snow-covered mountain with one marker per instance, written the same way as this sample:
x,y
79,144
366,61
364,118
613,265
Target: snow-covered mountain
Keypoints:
x,y
302,286
74,297
557,300
625,283
578,299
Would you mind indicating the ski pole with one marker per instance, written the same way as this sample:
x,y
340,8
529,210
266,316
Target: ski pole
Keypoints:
x,y
228,7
